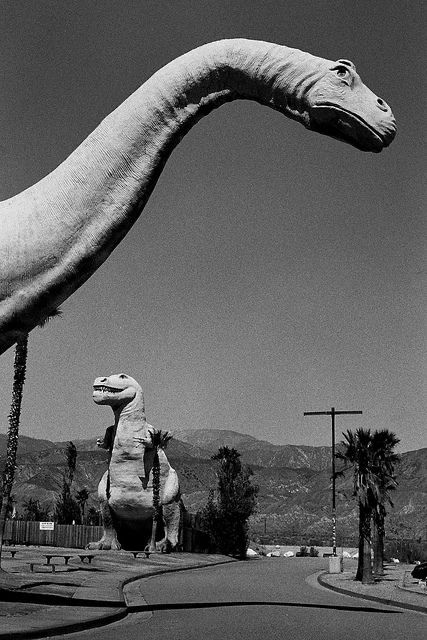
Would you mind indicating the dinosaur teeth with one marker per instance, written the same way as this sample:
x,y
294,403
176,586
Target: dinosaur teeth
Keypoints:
x,y
106,389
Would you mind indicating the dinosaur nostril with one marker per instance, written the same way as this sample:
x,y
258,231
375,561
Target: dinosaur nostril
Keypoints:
x,y
382,105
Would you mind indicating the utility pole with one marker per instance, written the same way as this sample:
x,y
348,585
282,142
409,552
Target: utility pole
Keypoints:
x,y
332,413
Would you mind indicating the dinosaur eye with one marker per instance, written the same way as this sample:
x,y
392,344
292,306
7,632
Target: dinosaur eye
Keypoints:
x,y
122,375
344,72
341,72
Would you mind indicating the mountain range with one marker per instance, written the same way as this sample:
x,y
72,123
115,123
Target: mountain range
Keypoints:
x,y
294,482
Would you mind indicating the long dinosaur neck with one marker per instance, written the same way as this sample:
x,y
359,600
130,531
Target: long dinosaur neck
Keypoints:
x,y
57,233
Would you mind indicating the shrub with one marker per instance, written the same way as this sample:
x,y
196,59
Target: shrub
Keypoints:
x,y
34,512
406,550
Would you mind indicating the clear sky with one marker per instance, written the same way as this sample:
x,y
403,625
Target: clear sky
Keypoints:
x,y
274,271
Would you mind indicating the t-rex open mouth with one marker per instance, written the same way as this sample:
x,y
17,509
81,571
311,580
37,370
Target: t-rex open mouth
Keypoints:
x,y
105,389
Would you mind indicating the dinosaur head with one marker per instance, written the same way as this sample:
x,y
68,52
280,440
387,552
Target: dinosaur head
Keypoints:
x,y
118,390
341,106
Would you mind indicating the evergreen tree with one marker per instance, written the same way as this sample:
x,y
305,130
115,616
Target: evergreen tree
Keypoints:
x,y
226,516
67,509
71,453
82,497
93,517
34,512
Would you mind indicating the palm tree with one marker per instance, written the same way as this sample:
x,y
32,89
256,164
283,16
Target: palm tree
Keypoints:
x,y
20,367
357,453
20,370
383,442
159,440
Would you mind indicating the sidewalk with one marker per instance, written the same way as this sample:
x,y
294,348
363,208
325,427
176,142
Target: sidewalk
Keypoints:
x,y
397,587
78,595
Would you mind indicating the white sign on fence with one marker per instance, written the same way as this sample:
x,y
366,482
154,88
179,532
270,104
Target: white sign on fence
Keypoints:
x,y
47,526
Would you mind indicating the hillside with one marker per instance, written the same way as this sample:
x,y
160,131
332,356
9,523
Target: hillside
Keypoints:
x,y
294,482
258,452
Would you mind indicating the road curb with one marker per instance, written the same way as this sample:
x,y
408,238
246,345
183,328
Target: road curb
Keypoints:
x,y
388,602
120,608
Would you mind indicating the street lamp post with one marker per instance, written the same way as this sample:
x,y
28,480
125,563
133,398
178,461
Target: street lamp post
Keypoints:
x,y
332,413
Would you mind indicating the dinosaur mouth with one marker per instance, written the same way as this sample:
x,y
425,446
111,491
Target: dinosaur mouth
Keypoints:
x,y
105,389
346,126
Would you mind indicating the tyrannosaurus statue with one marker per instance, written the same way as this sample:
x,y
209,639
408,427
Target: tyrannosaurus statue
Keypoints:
x,y
54,235
126,490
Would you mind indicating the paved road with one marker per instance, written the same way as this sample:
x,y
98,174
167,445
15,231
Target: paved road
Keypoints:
x,y
265,599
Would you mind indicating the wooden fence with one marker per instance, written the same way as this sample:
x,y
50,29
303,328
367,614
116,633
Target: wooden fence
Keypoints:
x,y
77,536
192,538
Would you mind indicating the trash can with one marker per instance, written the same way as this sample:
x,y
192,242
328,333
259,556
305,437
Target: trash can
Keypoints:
x,y
335,564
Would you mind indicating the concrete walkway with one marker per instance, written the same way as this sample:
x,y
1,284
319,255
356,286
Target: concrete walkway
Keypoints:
x,y
80,595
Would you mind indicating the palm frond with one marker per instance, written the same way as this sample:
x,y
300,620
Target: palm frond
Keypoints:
x,y
159,439
55,313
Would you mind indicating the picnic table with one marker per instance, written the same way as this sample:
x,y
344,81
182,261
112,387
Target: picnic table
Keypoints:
x,y
88,556
50,564
49,556
41,564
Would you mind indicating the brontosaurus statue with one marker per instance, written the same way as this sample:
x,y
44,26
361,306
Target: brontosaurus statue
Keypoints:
x,y
125,491
55,234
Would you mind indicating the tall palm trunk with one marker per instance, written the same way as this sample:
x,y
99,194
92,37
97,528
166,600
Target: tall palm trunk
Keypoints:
x,y
364,564
156,499
378,540
20,368
159,440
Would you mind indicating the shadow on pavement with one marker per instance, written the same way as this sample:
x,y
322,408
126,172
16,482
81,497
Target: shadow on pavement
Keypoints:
x,y
55,600
254,603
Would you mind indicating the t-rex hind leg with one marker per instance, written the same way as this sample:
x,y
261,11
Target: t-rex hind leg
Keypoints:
x,y
171,523
109,538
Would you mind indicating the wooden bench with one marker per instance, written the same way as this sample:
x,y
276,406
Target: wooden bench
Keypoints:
x,y
88,556
41,564
135,553
49,556
11,551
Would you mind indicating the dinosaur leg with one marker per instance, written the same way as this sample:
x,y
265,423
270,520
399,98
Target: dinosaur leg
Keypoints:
x,y
109,537
171,522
